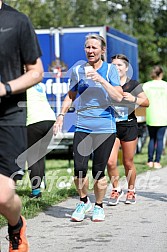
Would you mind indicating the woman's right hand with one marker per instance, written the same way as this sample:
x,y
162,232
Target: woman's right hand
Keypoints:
x,y
57,127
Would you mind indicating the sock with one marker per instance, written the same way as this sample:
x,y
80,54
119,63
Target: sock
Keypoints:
x,y
15,228
99,204
118,189
85,199
131,190
36,191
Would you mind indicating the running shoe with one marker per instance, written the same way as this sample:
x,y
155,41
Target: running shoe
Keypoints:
x,y
157,165
35,196
80,211
115,197
18,241
130,197
98,214
150,164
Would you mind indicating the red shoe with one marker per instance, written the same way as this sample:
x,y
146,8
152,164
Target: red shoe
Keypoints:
x,y
115,197
18,241
130,198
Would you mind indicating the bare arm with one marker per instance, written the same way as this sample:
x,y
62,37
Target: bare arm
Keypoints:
x,y
115,92
141,99
70,97
33,75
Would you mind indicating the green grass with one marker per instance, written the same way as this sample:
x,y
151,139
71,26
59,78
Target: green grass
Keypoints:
x,y
59,174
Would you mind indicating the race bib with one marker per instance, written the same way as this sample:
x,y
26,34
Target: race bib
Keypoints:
x,y
121,114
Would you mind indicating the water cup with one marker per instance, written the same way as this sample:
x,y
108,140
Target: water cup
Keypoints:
x,y
88,69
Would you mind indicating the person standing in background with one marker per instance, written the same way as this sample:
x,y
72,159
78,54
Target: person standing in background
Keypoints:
x,y
156,116
40,119
96,84
164,142
127,132
20,68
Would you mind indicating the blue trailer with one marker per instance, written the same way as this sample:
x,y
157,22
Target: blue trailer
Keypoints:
x,y
67,44
62,48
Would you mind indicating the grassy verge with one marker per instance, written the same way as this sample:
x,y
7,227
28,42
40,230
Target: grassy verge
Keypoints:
x,y
60,184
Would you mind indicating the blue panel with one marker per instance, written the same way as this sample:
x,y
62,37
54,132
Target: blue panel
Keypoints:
x,y
121,35
117,43
72,51
46,42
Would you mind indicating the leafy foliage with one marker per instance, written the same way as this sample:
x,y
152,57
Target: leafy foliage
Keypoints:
x,y
143,19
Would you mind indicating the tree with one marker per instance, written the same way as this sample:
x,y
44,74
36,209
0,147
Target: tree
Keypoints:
x,y
160,27
143,19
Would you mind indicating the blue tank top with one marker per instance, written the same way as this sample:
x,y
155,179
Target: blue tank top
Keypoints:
x,y
94,111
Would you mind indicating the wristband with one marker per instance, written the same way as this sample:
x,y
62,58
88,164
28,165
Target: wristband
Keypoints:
x,y
135,99
8,89
61,114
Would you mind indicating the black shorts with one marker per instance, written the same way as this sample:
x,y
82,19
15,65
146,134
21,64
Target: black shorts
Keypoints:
x,y
127,133
13,142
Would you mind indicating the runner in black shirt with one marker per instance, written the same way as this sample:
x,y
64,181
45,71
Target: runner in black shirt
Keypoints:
x,y
127,132
20,68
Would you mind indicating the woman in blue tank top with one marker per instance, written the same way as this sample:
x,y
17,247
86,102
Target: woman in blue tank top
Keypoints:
x,y
96,86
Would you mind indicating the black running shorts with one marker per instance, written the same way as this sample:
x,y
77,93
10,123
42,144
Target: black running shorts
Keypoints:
x,y
13,142
127,133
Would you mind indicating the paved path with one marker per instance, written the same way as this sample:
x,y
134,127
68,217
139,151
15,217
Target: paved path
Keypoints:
x,y
141,227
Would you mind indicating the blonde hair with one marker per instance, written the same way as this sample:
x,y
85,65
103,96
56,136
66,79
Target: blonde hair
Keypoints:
x,y
97,37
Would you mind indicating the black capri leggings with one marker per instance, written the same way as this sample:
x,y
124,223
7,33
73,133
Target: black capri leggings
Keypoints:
x,y
99,145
